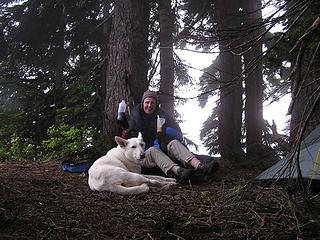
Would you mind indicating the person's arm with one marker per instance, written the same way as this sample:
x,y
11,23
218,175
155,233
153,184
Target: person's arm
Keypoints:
x,y
170,131
134,122
170,122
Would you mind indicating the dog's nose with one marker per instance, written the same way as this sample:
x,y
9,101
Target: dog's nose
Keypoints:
x,y
142,155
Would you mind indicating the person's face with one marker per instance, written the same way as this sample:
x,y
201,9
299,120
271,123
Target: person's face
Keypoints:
x,y
149,105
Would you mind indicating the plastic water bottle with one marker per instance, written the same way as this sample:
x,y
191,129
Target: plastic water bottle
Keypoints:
x,y
121,117
160,122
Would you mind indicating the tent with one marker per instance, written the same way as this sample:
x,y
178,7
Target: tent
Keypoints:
x,y
309,161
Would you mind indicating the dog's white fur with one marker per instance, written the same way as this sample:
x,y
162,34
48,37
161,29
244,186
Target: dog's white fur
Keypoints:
x,y
119,171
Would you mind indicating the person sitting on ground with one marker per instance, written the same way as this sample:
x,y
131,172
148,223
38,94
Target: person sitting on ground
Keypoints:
x,y
161,148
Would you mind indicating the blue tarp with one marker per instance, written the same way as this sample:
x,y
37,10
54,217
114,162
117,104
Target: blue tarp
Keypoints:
x,y
76,167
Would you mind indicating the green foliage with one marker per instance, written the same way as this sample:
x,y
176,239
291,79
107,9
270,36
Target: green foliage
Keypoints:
x,y
204,197
66,141
20,149
3,154
17,149
277,63
47,76
76,142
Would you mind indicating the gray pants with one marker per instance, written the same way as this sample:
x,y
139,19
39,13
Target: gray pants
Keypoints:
x,y
176,150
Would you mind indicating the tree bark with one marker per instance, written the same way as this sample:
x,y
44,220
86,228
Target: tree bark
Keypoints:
x,y
166,57
253,77
126,70
230,107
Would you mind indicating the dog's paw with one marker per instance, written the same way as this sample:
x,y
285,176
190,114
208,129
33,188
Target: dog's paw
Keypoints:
x,y
169,186
163,187
153,189
171,180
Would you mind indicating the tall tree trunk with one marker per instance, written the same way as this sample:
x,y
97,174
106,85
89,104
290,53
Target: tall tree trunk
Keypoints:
x,y
230,107
166,57
126,71
253,77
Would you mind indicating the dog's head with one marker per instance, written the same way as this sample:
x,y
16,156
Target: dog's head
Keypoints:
x,y
134,148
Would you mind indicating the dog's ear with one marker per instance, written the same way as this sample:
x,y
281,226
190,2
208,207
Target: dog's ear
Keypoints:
x,y
120,141
140,136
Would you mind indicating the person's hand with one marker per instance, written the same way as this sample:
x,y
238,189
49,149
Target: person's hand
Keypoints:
x,y
125,133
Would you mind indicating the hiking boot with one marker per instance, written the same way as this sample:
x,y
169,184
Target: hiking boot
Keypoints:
x,y
184,175
207,169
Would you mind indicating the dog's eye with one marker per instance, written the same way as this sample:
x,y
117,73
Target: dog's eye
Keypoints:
x,y
133,146
141,144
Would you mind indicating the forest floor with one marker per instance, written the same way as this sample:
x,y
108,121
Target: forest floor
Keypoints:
x,y
40,201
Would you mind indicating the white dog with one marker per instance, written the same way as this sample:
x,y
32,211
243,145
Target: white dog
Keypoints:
x,y
119,170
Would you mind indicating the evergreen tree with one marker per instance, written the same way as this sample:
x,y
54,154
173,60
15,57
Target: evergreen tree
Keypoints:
x,y
47,77
293,65
252,55
230,103
166,56
126,68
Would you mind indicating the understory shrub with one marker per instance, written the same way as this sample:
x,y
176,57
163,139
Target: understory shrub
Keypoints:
x,y
17,148
68,141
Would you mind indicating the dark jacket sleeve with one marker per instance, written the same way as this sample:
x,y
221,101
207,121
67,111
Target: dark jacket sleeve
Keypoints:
x,y
134,122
